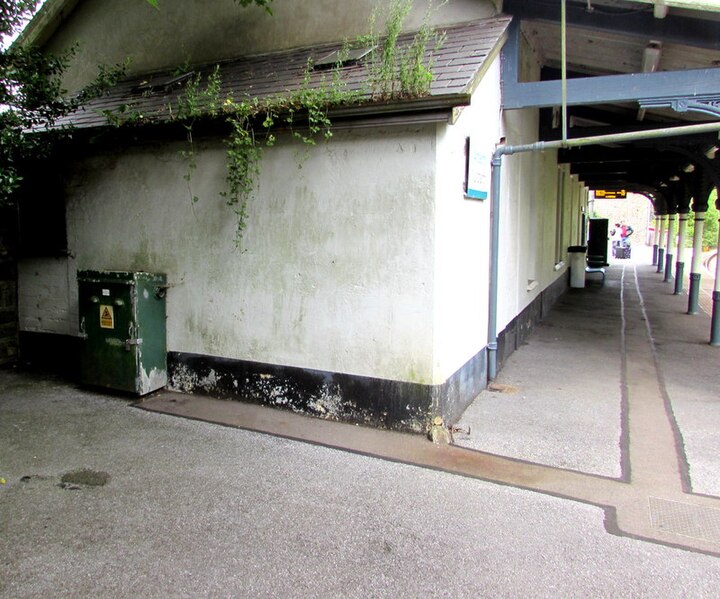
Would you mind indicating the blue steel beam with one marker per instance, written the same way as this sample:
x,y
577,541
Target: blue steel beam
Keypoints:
x,y
699,33
635,87
648,88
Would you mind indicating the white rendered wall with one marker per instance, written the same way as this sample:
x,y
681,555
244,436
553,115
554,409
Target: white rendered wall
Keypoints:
x,y
529,203
364,261
337,267
463,233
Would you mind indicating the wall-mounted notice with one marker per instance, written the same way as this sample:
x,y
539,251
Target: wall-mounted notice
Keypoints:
x,y
478,171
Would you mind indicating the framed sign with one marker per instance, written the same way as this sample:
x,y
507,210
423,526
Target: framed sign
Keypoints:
x,y
477,170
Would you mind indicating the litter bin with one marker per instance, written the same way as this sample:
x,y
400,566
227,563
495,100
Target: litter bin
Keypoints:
x,y
122,328
577,265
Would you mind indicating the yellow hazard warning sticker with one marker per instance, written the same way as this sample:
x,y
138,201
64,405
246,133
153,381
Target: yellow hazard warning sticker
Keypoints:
x,y
107,318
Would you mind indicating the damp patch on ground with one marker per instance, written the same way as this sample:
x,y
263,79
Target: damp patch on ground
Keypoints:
x,y
77,479
502,388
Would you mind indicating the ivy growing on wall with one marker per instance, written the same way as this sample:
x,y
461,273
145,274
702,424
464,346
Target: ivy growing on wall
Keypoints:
x,y
253,125
394,70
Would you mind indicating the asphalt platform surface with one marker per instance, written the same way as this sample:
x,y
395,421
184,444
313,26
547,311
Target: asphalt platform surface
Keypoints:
x,y
589,470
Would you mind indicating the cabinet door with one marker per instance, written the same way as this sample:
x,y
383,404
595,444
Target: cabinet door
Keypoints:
x,y
108,328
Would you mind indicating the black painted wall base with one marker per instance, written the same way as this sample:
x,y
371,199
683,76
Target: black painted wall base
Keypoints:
x,y
370,401
364,400
50,352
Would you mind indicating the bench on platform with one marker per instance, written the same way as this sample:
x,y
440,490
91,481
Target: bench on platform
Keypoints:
x,y
595,265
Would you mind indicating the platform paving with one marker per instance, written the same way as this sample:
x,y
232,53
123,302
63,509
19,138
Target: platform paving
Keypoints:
x,y
629,391
590,470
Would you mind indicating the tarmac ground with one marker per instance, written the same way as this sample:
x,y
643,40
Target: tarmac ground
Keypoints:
x,y
590,467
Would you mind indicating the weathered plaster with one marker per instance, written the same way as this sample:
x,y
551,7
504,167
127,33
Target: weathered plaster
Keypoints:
x,y
47,295
336,269
360,259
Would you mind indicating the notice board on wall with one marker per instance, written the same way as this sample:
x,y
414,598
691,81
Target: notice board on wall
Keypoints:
x,y
477,170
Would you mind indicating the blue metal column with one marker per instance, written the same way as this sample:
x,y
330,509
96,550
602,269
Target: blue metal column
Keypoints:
x,y
680,264
669,246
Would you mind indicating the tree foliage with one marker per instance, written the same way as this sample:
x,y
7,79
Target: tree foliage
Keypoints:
x,y
31,94
710,226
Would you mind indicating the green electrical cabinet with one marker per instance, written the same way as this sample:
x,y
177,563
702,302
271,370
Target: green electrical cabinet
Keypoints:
x,y
122,330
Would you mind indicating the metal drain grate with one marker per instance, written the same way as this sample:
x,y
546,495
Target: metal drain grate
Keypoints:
x,y
685,519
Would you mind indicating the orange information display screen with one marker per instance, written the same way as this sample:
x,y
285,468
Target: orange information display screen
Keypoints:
x,y
611,194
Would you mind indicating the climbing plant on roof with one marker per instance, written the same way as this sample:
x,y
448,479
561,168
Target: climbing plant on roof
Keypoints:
x,y
401,70
396,68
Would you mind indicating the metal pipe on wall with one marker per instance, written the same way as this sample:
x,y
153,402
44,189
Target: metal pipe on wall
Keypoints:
x,y
563,66
496,170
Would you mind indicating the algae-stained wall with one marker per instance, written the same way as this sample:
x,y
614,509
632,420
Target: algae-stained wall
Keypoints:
x,y
336,269
201,31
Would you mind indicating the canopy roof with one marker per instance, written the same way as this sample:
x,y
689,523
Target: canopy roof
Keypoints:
x,y
631,66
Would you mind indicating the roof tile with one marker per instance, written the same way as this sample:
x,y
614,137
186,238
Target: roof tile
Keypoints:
x,y
455,66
